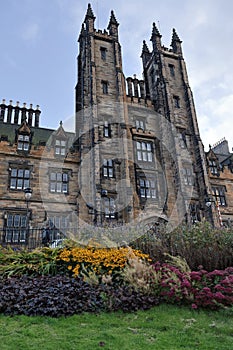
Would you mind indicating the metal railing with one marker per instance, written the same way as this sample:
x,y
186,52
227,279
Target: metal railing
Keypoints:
x,y
28,238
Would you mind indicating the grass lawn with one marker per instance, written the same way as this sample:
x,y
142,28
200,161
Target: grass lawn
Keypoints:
x,y
163,327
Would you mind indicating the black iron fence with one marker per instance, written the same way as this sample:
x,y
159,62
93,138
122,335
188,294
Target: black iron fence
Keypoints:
x,y
30,238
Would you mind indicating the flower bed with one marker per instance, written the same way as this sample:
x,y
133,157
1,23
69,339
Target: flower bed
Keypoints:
x,y
100,260
74,279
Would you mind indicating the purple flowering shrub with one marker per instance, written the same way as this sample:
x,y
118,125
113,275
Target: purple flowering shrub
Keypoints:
x,y
212,289
198,288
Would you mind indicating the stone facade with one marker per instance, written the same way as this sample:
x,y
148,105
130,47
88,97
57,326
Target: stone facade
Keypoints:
x,y
154,144
220,168
43,160
136,154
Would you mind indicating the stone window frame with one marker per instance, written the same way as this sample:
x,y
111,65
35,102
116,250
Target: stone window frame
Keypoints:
x,y
108,168
19,177
171,69
213,166
15,226
60,147
104,86
58,223
194,212
23,142
103,53
107,129
218,192
140,123
187,175
144,151
109,208
58,181
147,187
176,101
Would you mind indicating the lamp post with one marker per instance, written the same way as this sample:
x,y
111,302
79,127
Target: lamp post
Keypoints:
x,y
28,194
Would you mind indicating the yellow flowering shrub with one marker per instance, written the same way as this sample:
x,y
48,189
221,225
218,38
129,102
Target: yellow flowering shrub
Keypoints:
x,y
101,260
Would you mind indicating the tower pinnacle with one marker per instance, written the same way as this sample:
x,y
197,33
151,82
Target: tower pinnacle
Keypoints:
x,y
89,19
176,42
156,38
89,13
113,26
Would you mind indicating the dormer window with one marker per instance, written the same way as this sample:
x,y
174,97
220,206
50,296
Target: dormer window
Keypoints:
x,y
23,143
60,147
23,137
213,167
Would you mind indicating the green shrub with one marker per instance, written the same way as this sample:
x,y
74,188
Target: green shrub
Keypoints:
x,y
199,244
41,261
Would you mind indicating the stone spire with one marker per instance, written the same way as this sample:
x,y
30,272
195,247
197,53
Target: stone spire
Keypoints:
x,y
113,25
145,53
89,13
176,42
89,19
156,38
145,47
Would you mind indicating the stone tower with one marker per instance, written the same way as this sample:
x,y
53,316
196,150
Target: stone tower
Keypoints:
x,y
141,153
183,156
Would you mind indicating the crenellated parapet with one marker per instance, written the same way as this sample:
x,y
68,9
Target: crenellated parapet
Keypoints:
x,y
88,26
16,114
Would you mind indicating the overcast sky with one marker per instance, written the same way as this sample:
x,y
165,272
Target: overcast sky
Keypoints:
x,y
39,47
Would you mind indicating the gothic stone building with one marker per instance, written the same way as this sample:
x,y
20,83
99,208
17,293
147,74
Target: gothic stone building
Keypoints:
x,y
136,154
